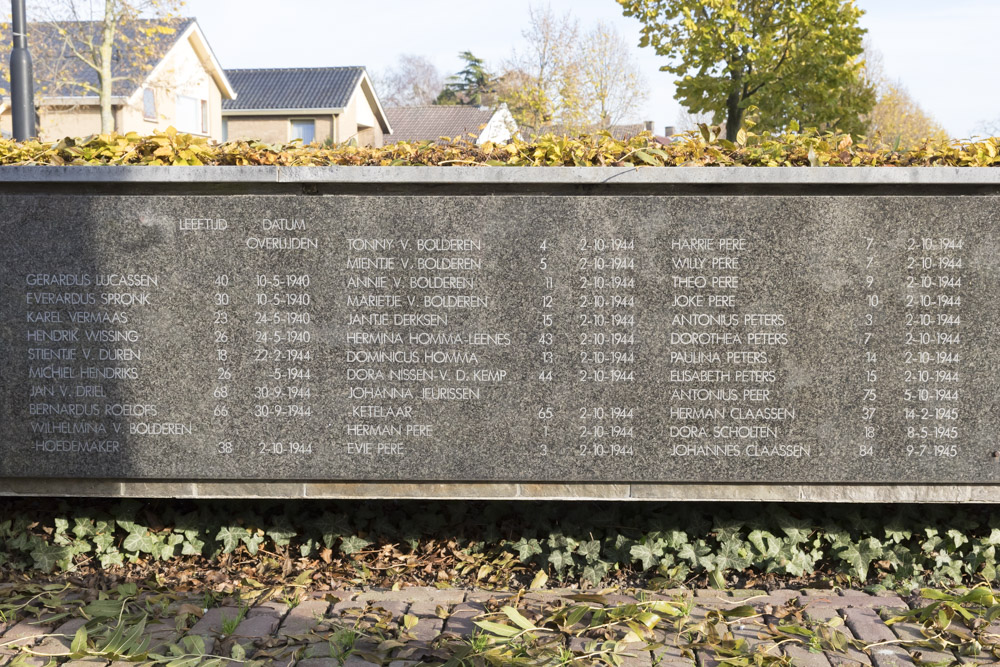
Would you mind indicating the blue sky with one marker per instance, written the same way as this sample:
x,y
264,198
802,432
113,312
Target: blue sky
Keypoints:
x,y
940,50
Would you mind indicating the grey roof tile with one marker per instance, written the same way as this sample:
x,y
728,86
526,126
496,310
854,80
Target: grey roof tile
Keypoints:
x,y
292,88
430,123
619,132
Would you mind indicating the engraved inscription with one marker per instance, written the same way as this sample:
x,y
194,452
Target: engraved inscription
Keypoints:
x,y
789,339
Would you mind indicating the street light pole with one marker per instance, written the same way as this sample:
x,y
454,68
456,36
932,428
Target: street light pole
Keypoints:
x,y
22,83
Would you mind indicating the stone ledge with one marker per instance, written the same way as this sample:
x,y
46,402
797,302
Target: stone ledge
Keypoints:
x,y
285,489
735,176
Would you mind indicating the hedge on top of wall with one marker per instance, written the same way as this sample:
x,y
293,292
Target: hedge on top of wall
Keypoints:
x,y
704,147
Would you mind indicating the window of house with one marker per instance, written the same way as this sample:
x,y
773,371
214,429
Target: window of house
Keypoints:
x,y
149,104
304,129
192,114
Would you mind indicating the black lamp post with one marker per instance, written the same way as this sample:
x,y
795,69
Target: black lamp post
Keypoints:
x,y
22,83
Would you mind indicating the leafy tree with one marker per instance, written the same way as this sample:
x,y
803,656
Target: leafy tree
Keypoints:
x,y
473,85
613,81
792,59
113,38
990,128
897,118
579,81
414,81
541,83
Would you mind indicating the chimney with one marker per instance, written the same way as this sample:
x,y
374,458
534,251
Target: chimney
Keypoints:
x,y
669,131
649,125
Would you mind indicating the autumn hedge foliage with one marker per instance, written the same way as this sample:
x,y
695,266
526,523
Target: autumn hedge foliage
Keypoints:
x,y
703,147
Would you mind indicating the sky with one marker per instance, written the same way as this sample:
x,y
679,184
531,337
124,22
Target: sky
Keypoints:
x,y
939,50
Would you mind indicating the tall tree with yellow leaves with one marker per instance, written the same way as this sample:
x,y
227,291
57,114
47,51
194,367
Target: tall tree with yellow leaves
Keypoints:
x,y
564,77
897,119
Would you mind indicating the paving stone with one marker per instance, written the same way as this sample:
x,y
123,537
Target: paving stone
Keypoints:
x,y
706,659
317,662
426,629
803,657
671,656
319,650
268,608
257,627
749,632
824,595
781,596
461,622
34,661
863,599
439,596
744,594
638,658
60,646
344,605
394,607
161,634
92,662
357,661
709,593
213,621
912,632
303,618
426,609
485,596
853,656
29,634
867,626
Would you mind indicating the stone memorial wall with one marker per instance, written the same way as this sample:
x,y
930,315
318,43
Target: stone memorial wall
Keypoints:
x,y
769,334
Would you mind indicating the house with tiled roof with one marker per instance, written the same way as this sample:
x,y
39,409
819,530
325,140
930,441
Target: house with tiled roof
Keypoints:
x,y
165,74
314,104
431,123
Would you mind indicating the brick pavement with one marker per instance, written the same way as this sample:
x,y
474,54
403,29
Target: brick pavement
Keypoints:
x,y
421,626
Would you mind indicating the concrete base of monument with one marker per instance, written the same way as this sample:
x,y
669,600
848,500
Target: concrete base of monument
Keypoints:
x,y
366,490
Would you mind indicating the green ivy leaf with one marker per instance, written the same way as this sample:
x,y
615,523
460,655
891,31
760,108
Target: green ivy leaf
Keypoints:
x,y
648,555
282,534
590,550
253,542
562,561
353,544
111,559
230,537
45,557
595,572
859,556
140,541
526,549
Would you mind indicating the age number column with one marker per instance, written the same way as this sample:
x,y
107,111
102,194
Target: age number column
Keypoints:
x,y
545,304
221,419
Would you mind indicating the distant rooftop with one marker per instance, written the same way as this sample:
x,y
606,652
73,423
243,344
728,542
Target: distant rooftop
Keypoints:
x,y
292,88
430,123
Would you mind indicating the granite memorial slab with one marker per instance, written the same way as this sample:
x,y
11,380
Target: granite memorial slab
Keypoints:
x,y
572,335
